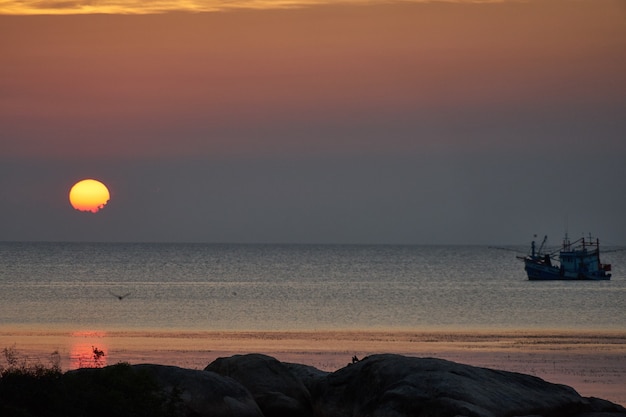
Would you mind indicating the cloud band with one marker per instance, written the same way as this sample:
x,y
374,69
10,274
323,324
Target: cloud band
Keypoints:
x,y
62,7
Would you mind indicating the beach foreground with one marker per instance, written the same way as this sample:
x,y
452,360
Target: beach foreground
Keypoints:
x,y
593,363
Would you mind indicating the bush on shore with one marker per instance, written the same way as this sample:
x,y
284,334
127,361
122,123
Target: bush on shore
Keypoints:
x,y
117,390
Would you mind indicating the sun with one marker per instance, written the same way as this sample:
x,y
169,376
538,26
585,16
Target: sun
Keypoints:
x,y
89,195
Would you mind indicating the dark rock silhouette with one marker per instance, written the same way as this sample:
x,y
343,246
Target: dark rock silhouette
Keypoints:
x,y
260,386
309,375
398,386
276,389
203,393
168,390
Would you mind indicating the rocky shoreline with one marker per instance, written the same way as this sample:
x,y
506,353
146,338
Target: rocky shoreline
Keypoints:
x,y
382,385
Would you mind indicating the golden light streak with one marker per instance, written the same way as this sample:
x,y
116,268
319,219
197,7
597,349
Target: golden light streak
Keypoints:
x,y
66,7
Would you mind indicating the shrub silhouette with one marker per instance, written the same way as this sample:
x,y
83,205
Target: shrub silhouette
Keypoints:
x,y
116,390
29,391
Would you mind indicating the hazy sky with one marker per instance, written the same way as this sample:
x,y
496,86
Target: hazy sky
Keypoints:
x,y
313,121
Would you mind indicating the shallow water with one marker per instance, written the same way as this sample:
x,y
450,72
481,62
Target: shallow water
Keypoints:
x,y
285,287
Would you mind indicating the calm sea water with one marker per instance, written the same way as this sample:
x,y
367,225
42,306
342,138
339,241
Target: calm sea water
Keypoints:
x,y
287,287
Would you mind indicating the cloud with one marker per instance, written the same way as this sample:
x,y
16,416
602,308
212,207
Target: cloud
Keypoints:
x,y
50,7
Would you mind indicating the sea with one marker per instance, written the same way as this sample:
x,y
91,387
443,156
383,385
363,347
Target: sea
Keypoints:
x,y
272,287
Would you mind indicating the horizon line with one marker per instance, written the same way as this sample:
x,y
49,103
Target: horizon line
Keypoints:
x,y
199,242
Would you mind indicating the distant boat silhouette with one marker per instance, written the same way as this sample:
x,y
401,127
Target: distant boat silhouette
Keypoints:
x,y
119,297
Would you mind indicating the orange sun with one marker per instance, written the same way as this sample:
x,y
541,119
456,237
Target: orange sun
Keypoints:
x,y
89,195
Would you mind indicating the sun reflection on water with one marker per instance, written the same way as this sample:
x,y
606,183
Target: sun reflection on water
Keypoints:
x,y
88,349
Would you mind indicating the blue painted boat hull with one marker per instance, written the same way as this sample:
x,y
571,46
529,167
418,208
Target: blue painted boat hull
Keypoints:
x,y
537,272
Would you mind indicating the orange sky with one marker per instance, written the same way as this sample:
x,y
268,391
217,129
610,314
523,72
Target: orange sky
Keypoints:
x,y
85,77
260,115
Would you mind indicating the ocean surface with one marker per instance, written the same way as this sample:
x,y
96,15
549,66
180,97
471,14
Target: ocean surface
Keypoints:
x,y
175,286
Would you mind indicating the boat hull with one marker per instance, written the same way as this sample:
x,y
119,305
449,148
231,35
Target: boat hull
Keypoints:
x,y
541,272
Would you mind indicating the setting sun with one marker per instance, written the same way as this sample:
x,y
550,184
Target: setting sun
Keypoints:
x,y
89,195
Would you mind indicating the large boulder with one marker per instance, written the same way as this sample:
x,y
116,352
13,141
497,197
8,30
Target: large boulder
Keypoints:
x,y
138,390
398,386
277,391
309,375
204,393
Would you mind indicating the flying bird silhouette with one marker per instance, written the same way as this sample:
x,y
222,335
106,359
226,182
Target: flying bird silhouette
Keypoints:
x,y
119,297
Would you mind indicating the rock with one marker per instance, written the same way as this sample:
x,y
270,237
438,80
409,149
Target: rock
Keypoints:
x,y
309,375
602,408
204,393
398,386
260,386
132,390
276,389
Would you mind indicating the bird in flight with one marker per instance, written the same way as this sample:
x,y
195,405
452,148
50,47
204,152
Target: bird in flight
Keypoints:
x,y
119,297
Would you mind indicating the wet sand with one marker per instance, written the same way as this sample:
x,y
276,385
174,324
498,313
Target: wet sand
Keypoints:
x,y
594,363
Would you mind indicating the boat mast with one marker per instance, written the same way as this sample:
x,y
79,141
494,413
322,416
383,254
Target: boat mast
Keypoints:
x,y
566,243
545,239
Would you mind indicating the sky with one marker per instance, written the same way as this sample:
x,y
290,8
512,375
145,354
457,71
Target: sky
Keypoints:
x,y
399,122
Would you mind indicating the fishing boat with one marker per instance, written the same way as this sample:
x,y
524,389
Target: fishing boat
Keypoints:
x,y
578,260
